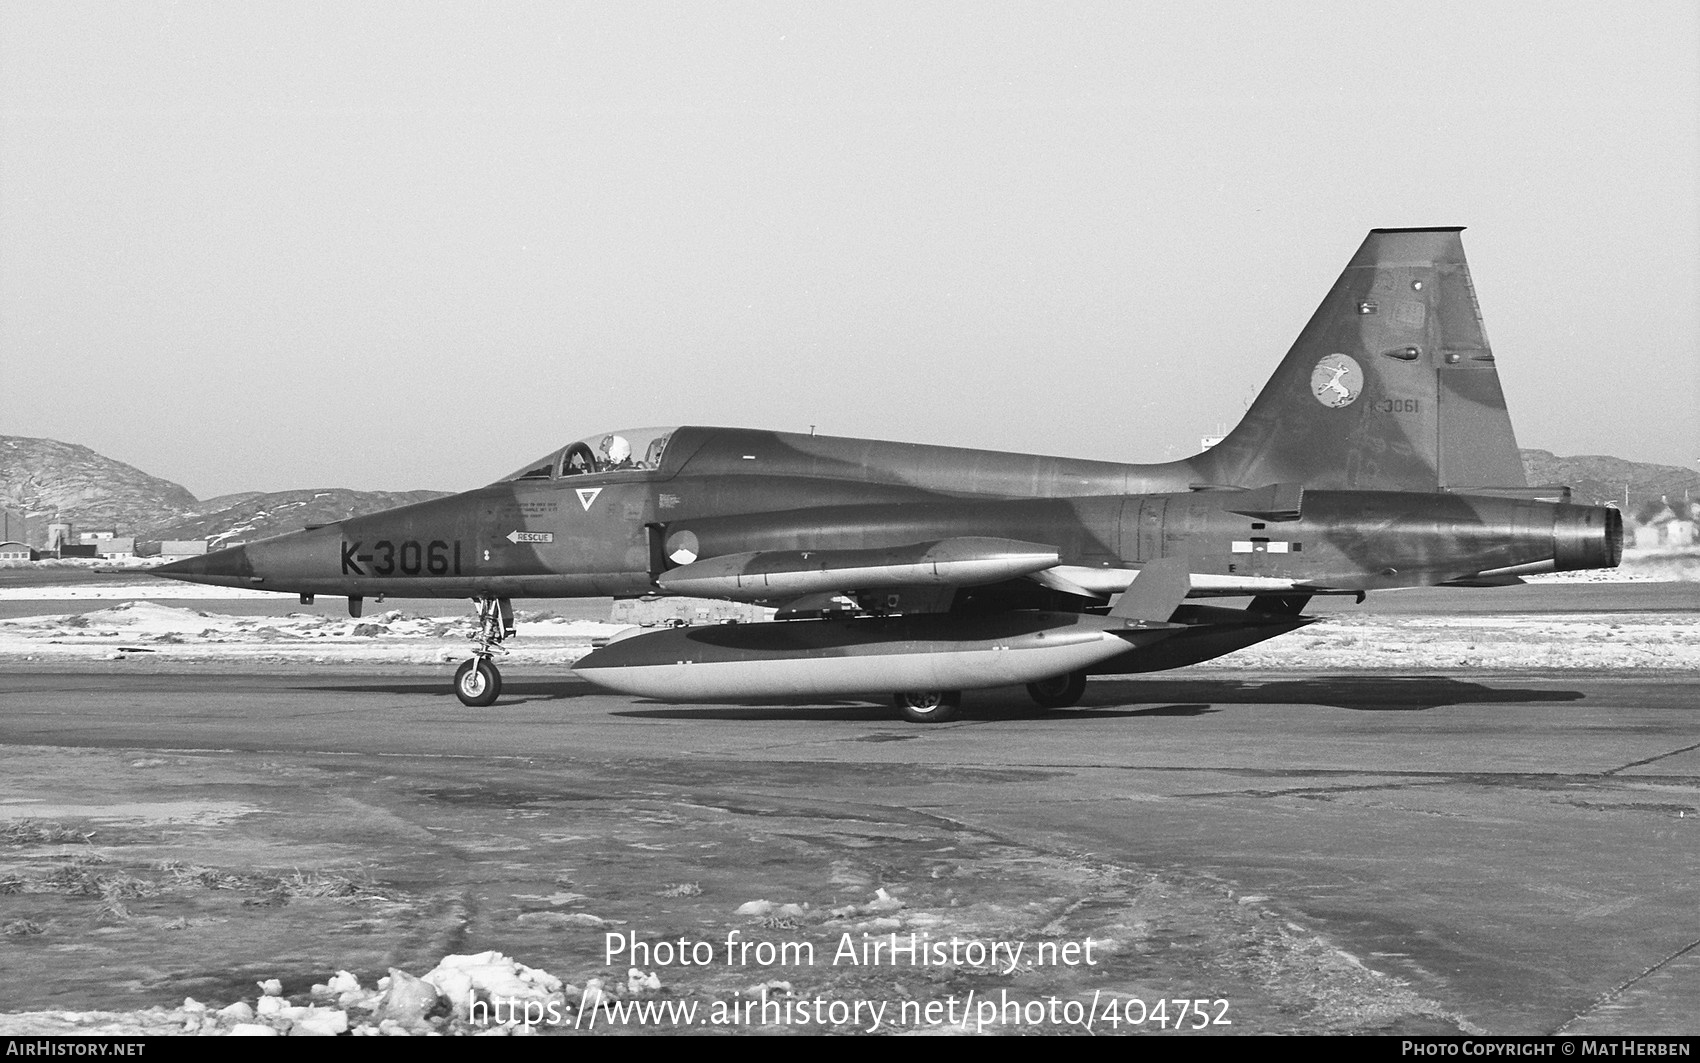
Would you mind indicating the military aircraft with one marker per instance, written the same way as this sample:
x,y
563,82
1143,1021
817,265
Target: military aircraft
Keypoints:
x,y
1379,455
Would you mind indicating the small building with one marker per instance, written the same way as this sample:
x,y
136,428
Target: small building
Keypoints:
x,y
78,550
98,535
172,548
1667,528
15,551
116,546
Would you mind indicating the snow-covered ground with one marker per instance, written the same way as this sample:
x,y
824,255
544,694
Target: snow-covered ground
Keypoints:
x,y
1503,642
130,628
167,632
482,994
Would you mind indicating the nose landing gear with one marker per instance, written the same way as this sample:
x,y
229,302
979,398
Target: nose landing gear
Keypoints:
x,y
477,681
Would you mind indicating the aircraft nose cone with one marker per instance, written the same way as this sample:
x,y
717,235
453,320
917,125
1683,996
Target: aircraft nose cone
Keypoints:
x,y
224,568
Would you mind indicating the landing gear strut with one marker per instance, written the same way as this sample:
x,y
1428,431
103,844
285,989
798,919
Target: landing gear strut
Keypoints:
x,y
477,681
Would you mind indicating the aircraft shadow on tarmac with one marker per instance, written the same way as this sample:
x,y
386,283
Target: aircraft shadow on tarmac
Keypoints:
x,y
1165,697
977,707
996,706
777,711
1105,699
1380,693
512,693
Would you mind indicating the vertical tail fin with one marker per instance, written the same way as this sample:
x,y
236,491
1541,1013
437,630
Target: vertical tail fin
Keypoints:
x,y
1391,386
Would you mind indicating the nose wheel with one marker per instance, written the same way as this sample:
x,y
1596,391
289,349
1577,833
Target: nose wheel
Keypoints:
x,y
477,681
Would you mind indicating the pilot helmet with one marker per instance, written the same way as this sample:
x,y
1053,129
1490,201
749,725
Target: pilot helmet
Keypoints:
x,y
619,450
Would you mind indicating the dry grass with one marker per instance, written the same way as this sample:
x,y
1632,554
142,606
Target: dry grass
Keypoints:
x,y
33,832
209,878
322,884
297,883
88,875
83,876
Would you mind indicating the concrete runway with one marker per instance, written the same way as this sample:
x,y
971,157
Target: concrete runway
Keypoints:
x,y
1520,849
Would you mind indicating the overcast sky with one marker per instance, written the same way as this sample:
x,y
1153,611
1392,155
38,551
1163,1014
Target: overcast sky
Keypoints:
x,y
413,245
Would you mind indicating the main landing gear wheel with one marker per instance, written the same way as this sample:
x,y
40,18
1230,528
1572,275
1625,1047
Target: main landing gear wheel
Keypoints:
x,y
478,683
1058,693
928,706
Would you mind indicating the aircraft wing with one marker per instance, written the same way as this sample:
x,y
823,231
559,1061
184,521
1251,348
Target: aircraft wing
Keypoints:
x,y
765,575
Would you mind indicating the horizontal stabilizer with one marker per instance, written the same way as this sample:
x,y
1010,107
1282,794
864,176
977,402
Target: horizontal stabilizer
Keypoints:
x,y
1279,604
1274,502
1159,588
1483,581
769,574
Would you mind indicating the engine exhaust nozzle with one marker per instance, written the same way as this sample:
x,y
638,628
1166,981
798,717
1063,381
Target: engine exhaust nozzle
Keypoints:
x,y
1586,537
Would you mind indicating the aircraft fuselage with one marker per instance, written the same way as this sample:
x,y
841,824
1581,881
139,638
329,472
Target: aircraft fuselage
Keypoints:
x,y
617,533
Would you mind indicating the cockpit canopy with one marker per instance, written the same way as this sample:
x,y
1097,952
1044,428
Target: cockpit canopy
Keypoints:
x,y
622,450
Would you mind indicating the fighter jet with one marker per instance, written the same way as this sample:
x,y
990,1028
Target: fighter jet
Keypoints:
x,y
1379,455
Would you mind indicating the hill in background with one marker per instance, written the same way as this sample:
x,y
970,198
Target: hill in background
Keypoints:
x,y
1596,479
48,481
256,516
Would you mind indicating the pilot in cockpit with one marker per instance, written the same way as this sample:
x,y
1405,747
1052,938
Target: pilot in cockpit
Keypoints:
x,y
616,453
